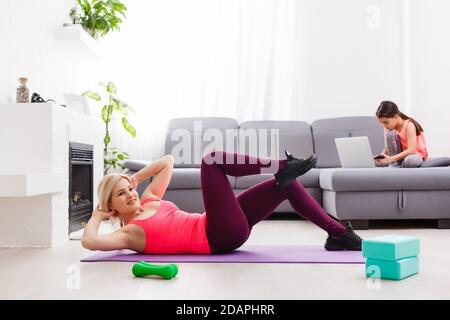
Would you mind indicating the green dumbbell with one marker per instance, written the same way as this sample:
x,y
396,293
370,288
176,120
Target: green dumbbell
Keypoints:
x,y
167,271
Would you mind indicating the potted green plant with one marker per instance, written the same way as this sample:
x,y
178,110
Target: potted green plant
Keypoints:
x,y
113,157
98,17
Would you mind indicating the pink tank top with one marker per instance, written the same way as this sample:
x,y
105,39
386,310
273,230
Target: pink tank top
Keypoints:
x,y
421,148
171,230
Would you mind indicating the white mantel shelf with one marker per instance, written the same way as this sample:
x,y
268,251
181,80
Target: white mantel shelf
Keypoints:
x,y
31,184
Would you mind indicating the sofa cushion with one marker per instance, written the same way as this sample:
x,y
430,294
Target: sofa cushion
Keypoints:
x,y
188,139
324,132
436,162
285,206
189,178
325,148
294,136
308,180
135,165
385,179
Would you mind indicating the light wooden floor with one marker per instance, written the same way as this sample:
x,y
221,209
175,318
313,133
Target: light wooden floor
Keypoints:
x,y
53,273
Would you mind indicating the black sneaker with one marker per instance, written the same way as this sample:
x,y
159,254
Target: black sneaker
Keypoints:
x,y
348,241
294,168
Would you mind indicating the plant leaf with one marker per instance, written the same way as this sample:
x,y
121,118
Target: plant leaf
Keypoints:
x,y
111,88
118,7
125,105
102,24
105,114
128,127
107,139
122,106
92,95
115,104
87,6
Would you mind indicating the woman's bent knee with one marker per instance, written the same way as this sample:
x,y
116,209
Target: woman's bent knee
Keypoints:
x,y
213,157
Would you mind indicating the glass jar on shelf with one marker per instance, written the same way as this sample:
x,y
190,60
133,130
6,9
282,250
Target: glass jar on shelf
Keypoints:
x,y
23,93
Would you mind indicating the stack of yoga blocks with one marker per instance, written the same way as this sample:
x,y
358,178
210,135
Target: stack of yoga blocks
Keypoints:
x,y
391,257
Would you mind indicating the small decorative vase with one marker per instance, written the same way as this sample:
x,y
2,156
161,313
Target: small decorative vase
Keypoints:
x,y
23,93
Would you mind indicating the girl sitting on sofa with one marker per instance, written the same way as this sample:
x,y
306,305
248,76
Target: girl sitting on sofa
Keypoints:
x,y
404,138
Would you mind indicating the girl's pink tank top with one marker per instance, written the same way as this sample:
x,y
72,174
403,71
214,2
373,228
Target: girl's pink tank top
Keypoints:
x,y
171,230
421,148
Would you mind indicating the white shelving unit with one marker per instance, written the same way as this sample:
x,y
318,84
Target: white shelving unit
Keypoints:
x,y
31,184
77,36
34,171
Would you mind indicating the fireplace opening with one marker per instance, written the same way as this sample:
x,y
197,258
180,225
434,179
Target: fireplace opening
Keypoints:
x,y
81,166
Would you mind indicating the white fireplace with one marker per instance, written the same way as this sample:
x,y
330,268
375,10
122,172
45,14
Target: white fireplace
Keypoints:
x,y
34,170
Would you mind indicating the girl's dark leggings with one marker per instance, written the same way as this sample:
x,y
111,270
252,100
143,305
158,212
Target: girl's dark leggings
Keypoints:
x,y
229,219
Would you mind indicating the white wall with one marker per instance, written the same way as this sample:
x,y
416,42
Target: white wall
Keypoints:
x,y
428,57
351,56
29,47
346,68
347,65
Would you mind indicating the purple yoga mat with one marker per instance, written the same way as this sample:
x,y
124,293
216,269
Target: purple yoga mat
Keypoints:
x,y
245,254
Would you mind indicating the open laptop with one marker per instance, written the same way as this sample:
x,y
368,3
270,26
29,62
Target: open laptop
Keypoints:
x,y
355,152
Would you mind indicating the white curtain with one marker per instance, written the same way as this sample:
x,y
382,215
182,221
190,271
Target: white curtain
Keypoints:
x,y
175,58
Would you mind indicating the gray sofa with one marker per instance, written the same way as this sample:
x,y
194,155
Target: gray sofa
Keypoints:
x,y
356,195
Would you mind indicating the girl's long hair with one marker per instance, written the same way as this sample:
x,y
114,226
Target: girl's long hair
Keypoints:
x,y
389,109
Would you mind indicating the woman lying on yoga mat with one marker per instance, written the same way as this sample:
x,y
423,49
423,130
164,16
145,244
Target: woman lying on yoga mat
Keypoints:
x,y
157,226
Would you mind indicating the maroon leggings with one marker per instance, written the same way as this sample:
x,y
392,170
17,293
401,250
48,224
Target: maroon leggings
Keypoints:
x,y
230,218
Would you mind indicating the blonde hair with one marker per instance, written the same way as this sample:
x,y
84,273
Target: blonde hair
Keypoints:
x,y
104,191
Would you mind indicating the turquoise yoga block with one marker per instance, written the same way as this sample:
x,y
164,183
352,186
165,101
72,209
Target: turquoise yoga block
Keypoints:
x,y
391,247
393,270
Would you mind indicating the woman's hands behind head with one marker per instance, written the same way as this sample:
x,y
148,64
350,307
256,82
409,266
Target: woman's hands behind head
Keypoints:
x,y
134,181
103,215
